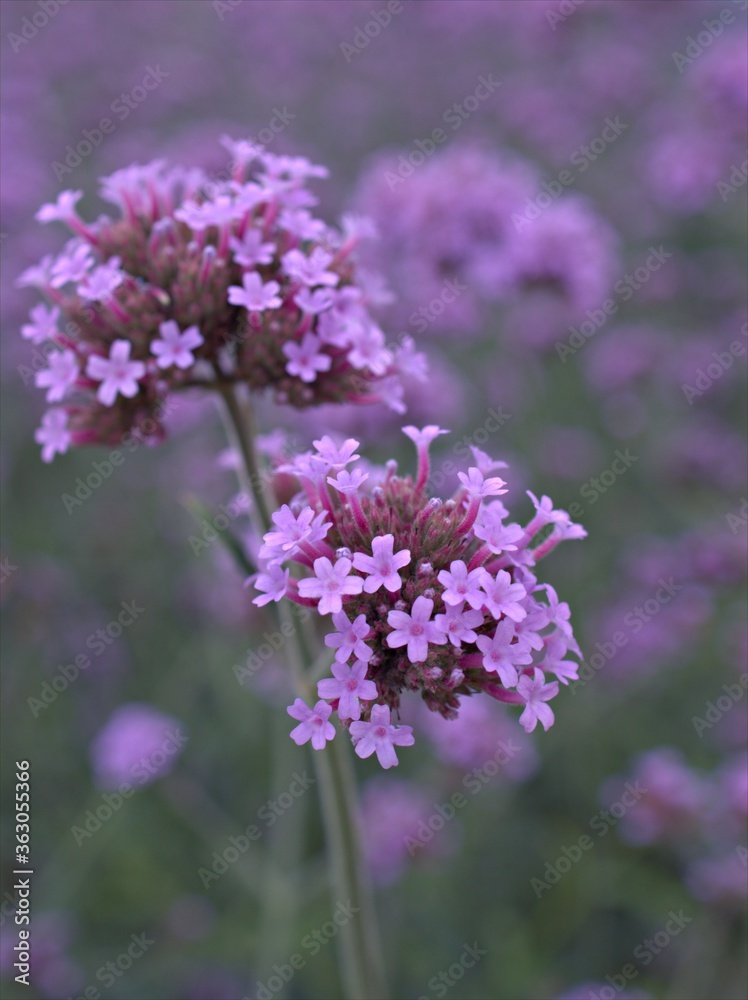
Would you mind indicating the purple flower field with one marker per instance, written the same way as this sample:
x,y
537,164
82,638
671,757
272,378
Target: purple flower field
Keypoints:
x,y
324,323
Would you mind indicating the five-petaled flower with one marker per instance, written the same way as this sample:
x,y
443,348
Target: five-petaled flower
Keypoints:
x,y
174,347
348,684
380,737
535,693
117,373
349,639
383,565
416,630
313,725
330,584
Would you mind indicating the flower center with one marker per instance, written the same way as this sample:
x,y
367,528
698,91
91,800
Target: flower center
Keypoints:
x,y
416,629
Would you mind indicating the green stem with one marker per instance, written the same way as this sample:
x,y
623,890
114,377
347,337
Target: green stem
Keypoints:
x,y
362,965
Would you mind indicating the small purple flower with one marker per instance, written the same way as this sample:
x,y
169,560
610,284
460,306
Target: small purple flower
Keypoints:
x,y
254,295
348,482
313,725
416,630
478,487
73,265
273,584
310,270
292,529
484,462
117,374
535,693
175,347
99,284
368,348
460,586
337,457
53,435
349,639
380,737
500,656
348,684
313,302
423,438
250,250
459,624
60,375
43,326
330,584
499,537
554,662
137,745
502,597
382,566
62,210
306,359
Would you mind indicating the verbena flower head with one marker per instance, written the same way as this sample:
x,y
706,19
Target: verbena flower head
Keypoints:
x,y
422,595
197,282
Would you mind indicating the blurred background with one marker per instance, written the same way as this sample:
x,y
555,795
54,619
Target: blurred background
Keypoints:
x,y
560,193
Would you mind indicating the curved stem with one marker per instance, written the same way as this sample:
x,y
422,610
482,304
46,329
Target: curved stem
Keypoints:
x,y
362,965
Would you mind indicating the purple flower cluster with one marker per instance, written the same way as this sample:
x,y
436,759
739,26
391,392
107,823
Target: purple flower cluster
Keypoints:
x,y
200,282
470,229
426,596
702,816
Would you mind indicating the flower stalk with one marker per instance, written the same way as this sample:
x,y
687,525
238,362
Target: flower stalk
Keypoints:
x,y
362,968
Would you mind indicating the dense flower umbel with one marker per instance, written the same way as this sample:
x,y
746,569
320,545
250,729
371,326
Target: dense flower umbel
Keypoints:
x,y
424,596
201,281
